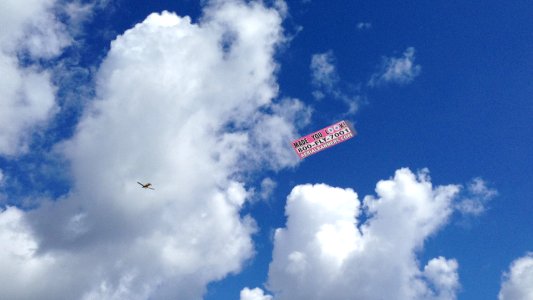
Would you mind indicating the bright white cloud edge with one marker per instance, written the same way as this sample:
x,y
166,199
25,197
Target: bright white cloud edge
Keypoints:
x,y
254,294
326,252
517,283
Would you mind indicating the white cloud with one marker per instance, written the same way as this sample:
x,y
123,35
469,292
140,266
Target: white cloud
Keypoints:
x,y
326,252
518,282
327,83
443,274
477,197
19,19
27,98
323,70
177,105
20,263
78,12
267,187
46,37
254,294
26,93
399,70
270,133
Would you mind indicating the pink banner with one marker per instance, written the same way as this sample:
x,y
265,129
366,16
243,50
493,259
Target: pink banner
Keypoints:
x,y
323,139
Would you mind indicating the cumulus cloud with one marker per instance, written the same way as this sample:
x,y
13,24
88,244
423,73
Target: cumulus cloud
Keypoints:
x,y
326,81
476,198
26,93
254,294
517,283
442,273
398,70
187,108
326,251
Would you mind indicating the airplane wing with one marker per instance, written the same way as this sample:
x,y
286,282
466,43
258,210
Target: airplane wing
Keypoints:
x,y
140,183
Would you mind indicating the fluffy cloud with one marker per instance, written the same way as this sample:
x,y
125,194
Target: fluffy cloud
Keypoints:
x,y
255,294
476,199
21,265
26,93
442,273
517,283
27,98
327,252
29,23
327,82
399,70
177,104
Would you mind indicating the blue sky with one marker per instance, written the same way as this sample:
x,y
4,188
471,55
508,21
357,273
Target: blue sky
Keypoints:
x,y
431,200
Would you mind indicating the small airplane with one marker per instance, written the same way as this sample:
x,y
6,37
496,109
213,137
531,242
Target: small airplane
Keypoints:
x,y
146,186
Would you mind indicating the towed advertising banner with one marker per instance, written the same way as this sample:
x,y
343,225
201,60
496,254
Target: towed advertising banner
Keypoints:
x,y
323,139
